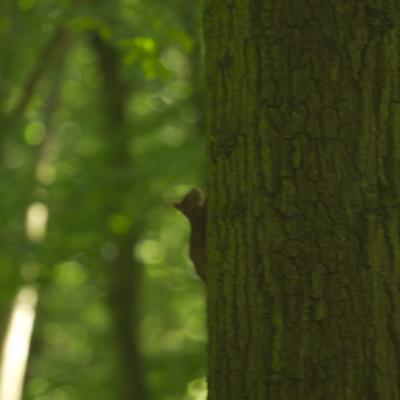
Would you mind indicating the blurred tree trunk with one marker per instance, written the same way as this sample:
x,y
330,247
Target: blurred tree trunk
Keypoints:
x,y
123,271
11,122
303,111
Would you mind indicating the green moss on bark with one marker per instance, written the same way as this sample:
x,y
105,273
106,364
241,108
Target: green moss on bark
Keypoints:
x,y
303,229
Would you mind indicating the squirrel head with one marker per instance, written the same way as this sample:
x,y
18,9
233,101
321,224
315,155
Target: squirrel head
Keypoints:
x,y
190,203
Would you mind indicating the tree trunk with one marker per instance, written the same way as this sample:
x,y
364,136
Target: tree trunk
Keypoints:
x,y
124,276
303,114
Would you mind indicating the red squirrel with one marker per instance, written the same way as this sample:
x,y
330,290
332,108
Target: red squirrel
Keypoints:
x,y
194,208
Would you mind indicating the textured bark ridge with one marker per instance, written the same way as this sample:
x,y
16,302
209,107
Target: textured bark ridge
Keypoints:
x,y
303,248
194,208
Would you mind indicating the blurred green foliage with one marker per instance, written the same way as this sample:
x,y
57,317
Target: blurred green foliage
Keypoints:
x,y
101,126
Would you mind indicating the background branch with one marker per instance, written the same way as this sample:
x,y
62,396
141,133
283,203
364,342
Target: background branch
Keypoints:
x,y
56,44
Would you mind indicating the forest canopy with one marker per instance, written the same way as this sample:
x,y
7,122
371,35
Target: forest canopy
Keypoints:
x,y
101,130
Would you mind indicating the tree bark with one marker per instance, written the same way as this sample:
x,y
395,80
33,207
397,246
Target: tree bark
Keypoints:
x,y
303,113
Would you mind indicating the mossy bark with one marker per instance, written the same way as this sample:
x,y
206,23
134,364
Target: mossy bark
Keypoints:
x,y
303,124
